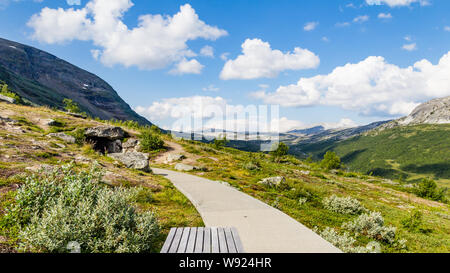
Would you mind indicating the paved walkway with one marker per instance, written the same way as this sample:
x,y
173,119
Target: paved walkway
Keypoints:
x,y
262,228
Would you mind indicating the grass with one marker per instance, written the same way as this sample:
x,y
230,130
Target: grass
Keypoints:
x,y
318,184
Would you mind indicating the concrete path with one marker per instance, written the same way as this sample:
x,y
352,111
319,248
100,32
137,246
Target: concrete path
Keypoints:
x,y
262,228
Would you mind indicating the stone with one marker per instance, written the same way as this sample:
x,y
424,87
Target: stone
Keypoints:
x,y
63,136
131,145
107,132
113,147
133,160
305,172
273,181
7,99
76,115
184,167
174,157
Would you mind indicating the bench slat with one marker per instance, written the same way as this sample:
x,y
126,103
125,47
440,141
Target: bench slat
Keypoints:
x,y
176,241
169,240
199,241
207,240
237,240
214,240
222,241
230,240
184,240
191,242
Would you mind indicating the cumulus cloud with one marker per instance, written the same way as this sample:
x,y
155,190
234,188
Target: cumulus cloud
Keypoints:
x,y
397,3
187,67
371,87
259,60
207,51
385,16
211,88
310,26
157,42
410,47
361,19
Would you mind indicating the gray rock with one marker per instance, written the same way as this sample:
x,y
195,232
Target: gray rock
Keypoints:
x,y
305,172
184,167
114,146
63,136
273,181
107,132
133,160
174,157
131,145
7,99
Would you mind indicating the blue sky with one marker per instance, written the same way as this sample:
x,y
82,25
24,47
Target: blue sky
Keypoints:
x,y
380,40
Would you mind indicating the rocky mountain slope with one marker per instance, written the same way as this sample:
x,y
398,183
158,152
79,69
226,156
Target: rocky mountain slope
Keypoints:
x,y
45,79
435,111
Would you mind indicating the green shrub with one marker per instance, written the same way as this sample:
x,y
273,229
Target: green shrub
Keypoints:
x,y
150,141
65,206
330,161
218,143
346,243
343,205
252,165
372,225
427,188
281,149
413,222
71,106
4,90
79,136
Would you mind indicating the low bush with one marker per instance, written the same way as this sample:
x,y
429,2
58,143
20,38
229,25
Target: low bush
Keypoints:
x,y
150,141
427,188
346,243
372,225
343,205
63,206
330,161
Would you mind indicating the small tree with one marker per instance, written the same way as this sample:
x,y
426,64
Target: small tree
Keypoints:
x,y
281,150
154,129
150,141
220,142
331,161
427,188
71,106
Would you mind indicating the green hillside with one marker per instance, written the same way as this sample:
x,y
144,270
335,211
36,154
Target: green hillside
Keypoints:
x,y
406,153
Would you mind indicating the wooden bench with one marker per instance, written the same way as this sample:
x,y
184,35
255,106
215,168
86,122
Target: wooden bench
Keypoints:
x,y
203,240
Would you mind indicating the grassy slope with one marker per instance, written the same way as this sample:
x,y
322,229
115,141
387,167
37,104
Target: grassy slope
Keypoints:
x,y
31,147
227,164
407,153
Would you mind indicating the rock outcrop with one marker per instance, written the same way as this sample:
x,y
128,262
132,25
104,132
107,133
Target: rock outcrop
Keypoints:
x,y
133,160
7,99
273,181
174,157
106,139
131,145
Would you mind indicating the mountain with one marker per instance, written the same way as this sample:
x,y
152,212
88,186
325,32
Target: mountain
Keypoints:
x,y
45,79
408,148
308,131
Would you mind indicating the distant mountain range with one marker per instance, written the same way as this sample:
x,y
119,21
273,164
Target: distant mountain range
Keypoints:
x,y
44,79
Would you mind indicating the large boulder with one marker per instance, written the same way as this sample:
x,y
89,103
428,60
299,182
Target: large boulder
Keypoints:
x,y
105,132
113,147
131,145
174,157
133,160
184,167
63,136
273,181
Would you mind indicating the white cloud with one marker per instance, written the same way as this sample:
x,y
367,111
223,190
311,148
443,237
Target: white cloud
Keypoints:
x,y
207,51
224,56
447,28
361,19
325,39
157,42
371,87
259,60
343,123
408,38
310,26
211,88
187,67
385,16
410,47
344,24
74,2
397,3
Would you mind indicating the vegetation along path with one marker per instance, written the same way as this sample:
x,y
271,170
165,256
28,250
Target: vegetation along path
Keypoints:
x,y
262,228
